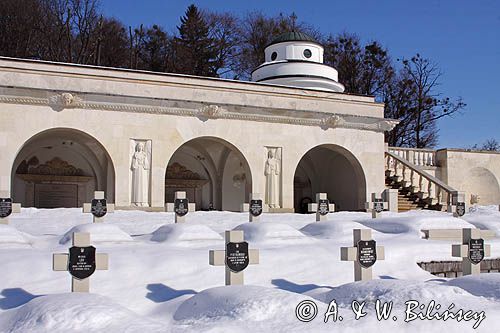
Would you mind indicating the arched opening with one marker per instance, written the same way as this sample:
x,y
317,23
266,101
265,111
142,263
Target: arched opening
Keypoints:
x,y
61,168
333,170
484,184
213,173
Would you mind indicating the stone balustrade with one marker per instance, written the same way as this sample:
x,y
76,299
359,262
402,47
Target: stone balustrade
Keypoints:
x,y
414,178
419,157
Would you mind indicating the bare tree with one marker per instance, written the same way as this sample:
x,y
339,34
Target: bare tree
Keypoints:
x,y
223,30
363,69
413,99
154,50
112,44
488,145
19,28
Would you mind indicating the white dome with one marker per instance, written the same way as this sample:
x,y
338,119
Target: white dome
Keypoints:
x,y
295,59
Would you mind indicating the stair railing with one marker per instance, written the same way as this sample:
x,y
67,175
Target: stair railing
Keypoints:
x,y
428,188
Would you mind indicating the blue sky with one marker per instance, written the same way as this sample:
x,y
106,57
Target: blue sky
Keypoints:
x,y
462,37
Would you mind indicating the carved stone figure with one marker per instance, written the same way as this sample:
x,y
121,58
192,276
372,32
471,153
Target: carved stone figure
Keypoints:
x,y
272,172
63,101
140,176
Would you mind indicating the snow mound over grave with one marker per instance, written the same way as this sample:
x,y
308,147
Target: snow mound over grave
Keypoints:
x,y
331,229
400,291
272,232
99,233
486,285
10,236
180,233
246,303
74,312
484,217
414,221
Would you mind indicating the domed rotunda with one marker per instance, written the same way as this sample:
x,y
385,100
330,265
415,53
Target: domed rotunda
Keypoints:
x,y
296,59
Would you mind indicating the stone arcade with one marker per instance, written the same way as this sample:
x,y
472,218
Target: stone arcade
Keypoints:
x,y
69,130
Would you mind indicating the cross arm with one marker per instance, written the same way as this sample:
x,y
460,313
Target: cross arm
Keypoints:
x,y
462,250
101,261
87,207
312,207
217,257
60,261
170,207
349,253
253,256
380,253
16,207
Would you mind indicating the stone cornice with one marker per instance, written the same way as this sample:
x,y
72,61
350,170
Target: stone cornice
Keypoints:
x,y
59,101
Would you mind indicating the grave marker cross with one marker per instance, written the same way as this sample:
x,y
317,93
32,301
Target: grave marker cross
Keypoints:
x,y
255,208
236,257
472,251
7,208
81,262
321,207
98,207
376,205
181,206
364,253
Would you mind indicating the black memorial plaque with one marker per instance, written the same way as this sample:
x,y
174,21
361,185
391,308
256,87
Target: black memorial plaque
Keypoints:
x,y
98,207
460,208
476,250
378,205
181,206
367,253
323,206
237,256
255,207
81,261
5,207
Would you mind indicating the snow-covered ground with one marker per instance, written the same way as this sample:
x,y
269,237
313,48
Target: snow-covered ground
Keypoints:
x,y
160,280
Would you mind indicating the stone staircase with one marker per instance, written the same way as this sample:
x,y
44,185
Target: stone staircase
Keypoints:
x,y
417,189
406,200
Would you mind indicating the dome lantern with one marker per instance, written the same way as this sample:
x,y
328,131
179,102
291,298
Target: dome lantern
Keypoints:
x,y
296,59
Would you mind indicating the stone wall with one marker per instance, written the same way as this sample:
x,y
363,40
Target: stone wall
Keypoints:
x,y
475,173
451,269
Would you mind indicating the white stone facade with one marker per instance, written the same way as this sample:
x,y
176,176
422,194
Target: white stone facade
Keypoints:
x,y
227,125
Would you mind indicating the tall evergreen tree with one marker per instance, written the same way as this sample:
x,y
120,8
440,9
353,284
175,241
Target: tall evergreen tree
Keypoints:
x,y
194,48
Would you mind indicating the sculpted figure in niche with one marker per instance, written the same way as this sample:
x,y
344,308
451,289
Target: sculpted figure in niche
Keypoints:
x,y
272,172
140,176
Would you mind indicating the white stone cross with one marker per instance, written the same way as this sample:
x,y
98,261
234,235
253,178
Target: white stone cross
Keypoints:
x,y
181,206
255,208
7,207
81,262
364,253
457,206
96,207
236,257
376,205
472,251
321,207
